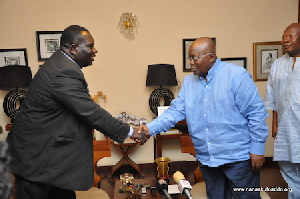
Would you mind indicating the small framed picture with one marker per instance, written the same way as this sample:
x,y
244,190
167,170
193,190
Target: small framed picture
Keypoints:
x,y
241,61
13,57
47,43
161,109
264,54
186,43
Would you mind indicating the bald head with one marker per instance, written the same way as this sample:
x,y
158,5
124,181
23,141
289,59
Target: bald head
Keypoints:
x,y
204,44
295,26
290,40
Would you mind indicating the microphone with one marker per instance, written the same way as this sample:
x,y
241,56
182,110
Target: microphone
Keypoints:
x,y
162,188
183,185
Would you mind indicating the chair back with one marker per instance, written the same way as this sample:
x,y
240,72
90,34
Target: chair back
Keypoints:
x,y
187,145
101,149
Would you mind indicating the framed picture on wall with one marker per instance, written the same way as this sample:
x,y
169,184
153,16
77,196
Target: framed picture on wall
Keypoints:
x,y
13,57
186,43
241,61
47,43
264,54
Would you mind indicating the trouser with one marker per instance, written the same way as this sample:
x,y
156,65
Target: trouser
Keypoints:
x,y
33,190
233,180
291,174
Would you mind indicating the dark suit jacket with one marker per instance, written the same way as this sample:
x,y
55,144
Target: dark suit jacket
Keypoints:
x,y
51,138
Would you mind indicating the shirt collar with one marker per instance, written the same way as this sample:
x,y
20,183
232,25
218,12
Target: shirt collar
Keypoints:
x,y
212,71
65,54
287,56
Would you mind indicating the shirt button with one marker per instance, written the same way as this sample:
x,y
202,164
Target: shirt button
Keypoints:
x,y
205,100
204,115
211,156
206,129
206,86
209,143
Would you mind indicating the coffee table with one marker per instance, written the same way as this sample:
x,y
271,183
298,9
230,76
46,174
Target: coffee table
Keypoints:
x,y
148,195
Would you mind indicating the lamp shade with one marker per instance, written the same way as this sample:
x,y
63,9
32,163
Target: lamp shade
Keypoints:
x,y
14,76
161,75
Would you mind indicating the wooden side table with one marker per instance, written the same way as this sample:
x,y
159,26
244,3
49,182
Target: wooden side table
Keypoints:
x,y
160,138
125,149
181,125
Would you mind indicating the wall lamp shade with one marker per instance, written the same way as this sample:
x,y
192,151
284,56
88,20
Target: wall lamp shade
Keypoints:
x,y
15,76
12,78
160,75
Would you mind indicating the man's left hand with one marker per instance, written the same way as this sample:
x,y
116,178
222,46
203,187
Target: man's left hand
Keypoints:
x,y
257,161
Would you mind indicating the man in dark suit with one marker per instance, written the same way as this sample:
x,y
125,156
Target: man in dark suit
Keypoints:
x,y
51,139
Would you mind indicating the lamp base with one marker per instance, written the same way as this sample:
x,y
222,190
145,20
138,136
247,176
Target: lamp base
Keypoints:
x,y
10,103
155,97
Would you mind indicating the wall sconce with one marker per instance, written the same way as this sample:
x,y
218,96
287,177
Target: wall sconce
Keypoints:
x,y
12,78
128,24
95,98
160,75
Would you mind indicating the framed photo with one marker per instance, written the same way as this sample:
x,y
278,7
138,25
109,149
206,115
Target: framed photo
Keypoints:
x,y
264,54
161,109
186,43
47,43
13,57
241,61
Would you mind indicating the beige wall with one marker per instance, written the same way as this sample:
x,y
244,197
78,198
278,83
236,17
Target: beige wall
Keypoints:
x,y
119,70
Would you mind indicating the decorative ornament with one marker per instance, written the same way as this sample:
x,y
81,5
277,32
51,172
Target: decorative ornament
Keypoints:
x,y
128,186
162,167
131,120
128,25
96,97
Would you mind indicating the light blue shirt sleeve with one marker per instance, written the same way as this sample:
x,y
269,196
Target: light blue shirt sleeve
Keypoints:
x,y
252,108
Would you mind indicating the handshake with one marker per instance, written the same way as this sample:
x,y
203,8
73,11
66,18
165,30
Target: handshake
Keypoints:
x,y
140,134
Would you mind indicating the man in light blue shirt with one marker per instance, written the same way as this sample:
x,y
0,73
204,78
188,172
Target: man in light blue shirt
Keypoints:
x,y
283,98
226,119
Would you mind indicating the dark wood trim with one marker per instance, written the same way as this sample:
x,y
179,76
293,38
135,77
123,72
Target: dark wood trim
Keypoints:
x,y
269,163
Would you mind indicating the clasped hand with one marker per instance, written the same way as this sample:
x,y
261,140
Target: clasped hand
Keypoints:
x,y
140,135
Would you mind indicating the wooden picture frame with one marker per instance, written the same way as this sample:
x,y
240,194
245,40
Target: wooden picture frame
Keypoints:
x,y
13,57
47,43
241,61
264,54
186,44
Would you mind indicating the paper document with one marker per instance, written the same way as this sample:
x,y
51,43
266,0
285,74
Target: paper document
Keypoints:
x,y
173,189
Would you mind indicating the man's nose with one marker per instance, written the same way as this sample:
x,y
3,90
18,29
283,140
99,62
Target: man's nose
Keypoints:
x,y
95,50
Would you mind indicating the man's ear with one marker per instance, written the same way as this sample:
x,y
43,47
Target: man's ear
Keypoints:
x,y
212,57
73,48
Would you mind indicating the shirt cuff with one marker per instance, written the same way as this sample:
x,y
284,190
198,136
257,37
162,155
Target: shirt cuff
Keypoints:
x,y
151,127
257,148
130,132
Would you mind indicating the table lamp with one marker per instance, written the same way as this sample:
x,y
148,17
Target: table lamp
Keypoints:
x,y
12,78
160,75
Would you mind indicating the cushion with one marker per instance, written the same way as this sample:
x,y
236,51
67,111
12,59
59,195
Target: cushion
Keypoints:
x,y
92,193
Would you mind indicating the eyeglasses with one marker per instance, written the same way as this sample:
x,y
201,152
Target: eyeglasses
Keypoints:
x,y
195,58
